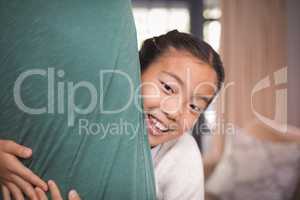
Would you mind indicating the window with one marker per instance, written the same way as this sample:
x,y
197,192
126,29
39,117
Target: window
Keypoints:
x,y
154,19
212,25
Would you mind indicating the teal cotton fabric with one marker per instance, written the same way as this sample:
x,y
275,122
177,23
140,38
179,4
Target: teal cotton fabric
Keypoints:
x,y
75,41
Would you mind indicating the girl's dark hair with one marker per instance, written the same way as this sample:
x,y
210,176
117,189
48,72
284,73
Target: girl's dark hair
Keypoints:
x,y
154,47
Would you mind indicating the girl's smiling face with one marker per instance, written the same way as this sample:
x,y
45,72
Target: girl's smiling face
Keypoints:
x,y
177,87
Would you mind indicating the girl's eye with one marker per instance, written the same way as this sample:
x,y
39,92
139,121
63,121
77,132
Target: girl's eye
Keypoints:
x,y
167,88
195,108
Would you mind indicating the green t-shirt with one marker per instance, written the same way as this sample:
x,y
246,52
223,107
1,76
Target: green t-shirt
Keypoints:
x,y
69,75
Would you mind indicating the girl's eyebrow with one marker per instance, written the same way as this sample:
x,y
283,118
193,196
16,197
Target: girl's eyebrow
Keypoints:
x,y
174,76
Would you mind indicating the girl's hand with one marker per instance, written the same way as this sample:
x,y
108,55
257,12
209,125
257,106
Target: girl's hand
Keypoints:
x,y
15,178
55,193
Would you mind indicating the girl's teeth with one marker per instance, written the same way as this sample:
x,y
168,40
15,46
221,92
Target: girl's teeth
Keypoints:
x,y
158,125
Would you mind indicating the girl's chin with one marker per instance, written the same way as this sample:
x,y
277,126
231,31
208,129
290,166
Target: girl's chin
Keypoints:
x,y
155,140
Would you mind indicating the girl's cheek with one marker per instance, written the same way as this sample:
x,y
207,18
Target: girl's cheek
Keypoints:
x,y
187,123
151,96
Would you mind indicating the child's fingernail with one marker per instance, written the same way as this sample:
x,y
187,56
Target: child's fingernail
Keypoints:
x,y
73,194
45,187
50,182
28,151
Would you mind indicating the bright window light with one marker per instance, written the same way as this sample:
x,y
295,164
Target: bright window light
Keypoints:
x,y
155,21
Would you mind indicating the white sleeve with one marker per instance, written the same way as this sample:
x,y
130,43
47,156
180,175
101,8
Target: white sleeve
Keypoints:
x,y
187,185
184,179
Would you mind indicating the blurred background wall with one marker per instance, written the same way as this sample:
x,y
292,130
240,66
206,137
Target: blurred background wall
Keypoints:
x,y
254,52
293,41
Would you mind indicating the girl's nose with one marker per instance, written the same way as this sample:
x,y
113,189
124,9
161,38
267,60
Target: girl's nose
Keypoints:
x,y
171,107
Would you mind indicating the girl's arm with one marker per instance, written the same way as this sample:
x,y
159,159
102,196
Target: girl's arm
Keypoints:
x,y
15,178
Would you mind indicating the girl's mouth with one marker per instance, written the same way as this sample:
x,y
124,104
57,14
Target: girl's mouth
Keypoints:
x,y
155,126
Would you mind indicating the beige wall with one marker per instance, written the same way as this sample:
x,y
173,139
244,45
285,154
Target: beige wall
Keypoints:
x,y
293,62
253,47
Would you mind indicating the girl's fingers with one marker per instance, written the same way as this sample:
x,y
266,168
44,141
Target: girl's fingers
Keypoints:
x,y
5,193
41,194
25,187
54,190
73,195
29,176
15,191
11,147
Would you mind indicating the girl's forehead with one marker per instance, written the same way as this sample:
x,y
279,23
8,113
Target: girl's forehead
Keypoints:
x,y
187,67
180,60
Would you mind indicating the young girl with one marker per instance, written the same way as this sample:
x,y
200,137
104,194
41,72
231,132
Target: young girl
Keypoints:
x,y
180,77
